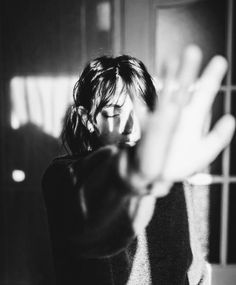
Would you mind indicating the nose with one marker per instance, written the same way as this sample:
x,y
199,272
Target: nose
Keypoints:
x,y
129,124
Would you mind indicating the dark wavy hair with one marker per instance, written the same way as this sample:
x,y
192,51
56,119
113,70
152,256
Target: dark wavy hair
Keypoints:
x,y
94,90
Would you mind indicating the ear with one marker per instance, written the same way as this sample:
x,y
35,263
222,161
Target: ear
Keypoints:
x,y
84,118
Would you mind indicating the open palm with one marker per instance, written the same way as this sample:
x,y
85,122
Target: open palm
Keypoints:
x,y
173,144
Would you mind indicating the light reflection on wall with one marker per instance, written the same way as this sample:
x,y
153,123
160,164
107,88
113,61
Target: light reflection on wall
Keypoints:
x,y
18,175
41,100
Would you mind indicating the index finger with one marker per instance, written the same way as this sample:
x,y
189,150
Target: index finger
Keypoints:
x,y
177,83
209,83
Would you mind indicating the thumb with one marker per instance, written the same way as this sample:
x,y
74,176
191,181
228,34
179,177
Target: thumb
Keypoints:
x,y
219,137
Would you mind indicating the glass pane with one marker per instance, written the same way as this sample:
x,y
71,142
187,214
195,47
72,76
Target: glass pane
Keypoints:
x,y
233,143
202,23
232,228
98,28
214,222
217,112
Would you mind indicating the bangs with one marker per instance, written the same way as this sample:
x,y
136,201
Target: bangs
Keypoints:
x,y
107,91
98,87
137,89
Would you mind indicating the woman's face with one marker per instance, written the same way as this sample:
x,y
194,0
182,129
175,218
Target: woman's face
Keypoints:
x,y
119,123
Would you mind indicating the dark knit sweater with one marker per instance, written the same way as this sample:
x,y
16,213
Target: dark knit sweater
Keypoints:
x,y
93,240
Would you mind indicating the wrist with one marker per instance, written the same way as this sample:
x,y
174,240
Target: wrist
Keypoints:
x,y
138,180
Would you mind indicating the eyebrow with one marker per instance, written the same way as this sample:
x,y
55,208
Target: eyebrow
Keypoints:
x,y
113,105
116,105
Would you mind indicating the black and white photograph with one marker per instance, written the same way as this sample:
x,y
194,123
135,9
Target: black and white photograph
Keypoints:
x,y
117,142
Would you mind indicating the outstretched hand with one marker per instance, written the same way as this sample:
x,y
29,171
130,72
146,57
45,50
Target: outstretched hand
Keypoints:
x,y
173,145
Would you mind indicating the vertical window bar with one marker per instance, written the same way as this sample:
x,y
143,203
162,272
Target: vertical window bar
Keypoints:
x,y
226,154
117,27
83,40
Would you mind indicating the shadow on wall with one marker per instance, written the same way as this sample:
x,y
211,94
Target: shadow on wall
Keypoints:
x,y
25,240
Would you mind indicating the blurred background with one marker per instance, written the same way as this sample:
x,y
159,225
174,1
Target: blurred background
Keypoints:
x,y
43,48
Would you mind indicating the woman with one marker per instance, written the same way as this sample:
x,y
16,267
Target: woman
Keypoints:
x,y
115,214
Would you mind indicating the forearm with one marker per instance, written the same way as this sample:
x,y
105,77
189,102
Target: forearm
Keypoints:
x,y
88,203
114,194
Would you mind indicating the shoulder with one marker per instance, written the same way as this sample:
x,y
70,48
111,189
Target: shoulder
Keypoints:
x,y
64,167
59,165
58,173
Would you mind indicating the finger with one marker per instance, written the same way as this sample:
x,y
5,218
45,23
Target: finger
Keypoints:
x,y
188,73
209,84
217,140
170,84
190,66
156,139
181,76
170,67
160,189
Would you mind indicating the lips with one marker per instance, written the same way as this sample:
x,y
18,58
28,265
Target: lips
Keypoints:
x,y
127,142
130,143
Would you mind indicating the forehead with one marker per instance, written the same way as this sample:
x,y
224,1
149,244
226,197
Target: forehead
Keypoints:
x,y
122,95
119,100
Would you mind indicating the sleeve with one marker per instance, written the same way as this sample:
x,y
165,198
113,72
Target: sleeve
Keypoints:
x,y
88,204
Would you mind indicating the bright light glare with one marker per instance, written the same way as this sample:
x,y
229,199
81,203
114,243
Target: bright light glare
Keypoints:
x,y
18,175
40,100
200,179
15,124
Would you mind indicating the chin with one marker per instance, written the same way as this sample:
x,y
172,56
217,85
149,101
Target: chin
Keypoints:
x,y
130,143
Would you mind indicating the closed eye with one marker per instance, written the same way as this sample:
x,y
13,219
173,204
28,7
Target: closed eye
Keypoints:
x,y
111,112
108,115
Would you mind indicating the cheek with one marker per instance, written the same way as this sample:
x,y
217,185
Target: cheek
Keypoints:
x,y
109,131
108,126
